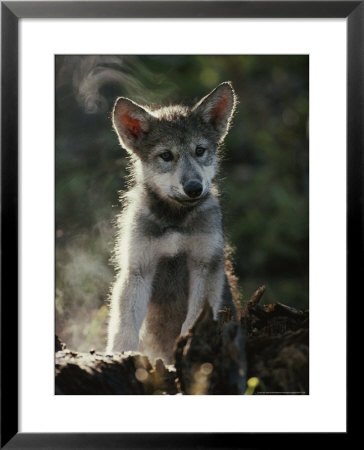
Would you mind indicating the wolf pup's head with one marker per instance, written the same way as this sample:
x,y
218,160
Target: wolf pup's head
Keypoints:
x,y
176,146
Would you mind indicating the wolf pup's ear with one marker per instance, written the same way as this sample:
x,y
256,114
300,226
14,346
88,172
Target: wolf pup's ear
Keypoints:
x,y
131,122
217,108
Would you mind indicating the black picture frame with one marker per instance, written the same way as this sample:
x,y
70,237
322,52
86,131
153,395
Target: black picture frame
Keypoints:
x,y
11,12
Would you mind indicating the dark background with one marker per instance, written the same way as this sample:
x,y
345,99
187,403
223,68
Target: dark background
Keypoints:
x,y
264,176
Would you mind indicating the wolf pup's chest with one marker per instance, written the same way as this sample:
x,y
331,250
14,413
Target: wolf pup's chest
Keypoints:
x,y
166,240
171,244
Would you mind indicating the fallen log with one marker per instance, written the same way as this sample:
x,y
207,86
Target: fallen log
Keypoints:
x,y
210,360
277,346
268,343
126,373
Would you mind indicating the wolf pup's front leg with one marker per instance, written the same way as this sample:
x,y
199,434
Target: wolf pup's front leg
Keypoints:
x,y
132,289
206,273
129,303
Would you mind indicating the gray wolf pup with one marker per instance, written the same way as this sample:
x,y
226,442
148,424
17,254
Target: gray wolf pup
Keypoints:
x,y
170,248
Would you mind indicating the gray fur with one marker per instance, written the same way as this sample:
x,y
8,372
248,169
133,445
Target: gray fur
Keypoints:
x,y
170,249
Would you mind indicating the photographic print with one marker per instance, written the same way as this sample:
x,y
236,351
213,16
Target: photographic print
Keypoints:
x,y
182,226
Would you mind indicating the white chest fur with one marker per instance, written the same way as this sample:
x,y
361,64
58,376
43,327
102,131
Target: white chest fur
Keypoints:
x,y
171,244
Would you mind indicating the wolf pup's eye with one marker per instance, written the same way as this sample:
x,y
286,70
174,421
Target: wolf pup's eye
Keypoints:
x,y
166,156
200,150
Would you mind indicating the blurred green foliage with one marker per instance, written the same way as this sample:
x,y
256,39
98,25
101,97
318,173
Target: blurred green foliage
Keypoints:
x,y
264,174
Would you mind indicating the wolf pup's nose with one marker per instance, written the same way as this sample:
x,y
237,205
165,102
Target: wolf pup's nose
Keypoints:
x,y
193,189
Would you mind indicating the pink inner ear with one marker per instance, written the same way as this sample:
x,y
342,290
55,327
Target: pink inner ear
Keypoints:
x,y
132,125
219,111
